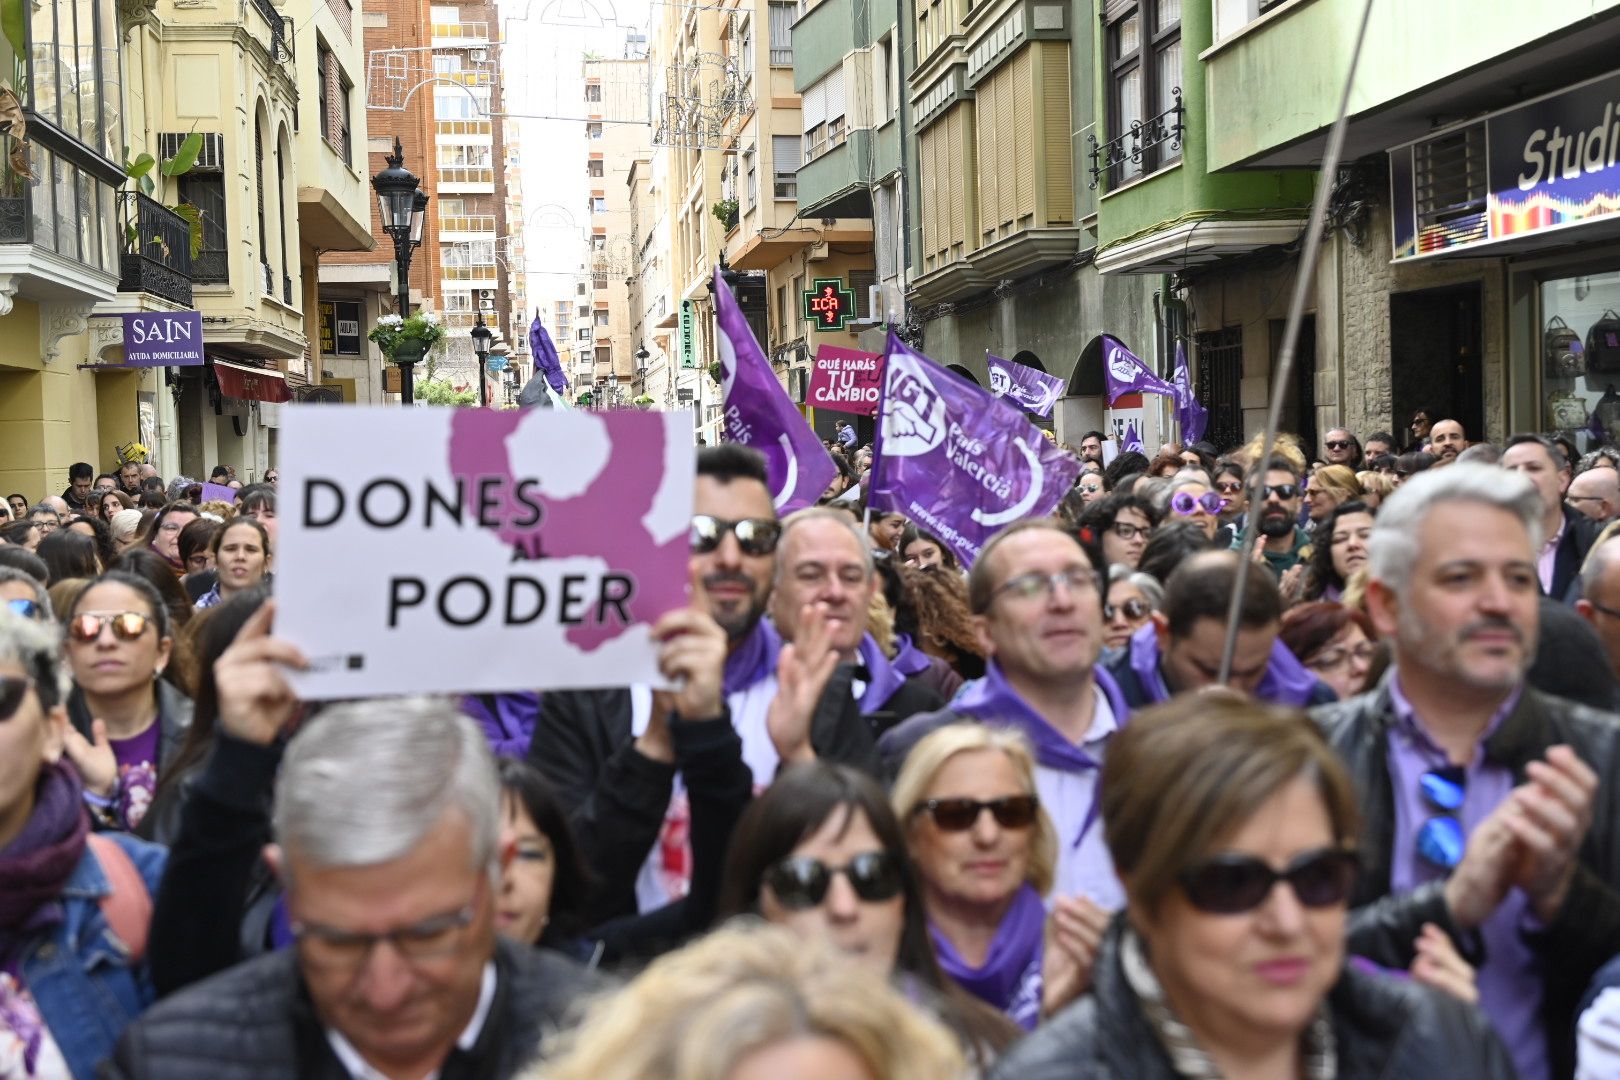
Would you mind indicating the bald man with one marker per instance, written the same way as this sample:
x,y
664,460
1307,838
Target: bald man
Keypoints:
x,y
1446,440
1595,493
1600,595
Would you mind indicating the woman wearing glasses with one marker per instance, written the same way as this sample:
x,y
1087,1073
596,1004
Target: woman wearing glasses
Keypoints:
x,y
1190,499
72,908
163,536
127,720
1133,597
821,852
1328,488
1334,642
1229,959
985,851
1115,529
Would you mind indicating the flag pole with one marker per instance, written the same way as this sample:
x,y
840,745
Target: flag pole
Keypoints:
x,y
1285,357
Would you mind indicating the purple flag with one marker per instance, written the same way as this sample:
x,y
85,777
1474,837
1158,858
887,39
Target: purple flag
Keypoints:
x,y
957,461
759,413
1035,391
1128,375
1191,415
1133,441
545,356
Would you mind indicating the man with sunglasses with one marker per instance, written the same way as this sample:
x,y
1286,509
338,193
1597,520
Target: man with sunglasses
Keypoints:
x,y
387,843
1340,447
1179,651
1490,809
1037,605
614,755
1283,542
25,595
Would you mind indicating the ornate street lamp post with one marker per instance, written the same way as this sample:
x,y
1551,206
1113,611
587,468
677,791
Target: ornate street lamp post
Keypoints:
x,y
403,210
481,337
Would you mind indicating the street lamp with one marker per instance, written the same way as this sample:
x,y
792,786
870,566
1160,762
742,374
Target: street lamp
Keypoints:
x,y
403,210
481,338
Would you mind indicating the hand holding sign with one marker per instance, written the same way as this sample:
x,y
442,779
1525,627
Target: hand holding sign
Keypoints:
x,y
255,699
692,655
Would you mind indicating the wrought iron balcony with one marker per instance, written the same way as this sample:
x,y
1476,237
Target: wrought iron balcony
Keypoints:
x,y
155,256
286,290
1144,146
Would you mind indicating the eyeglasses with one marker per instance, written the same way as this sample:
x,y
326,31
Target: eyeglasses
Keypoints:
x,y
756,536
960,815
1233,884
1440,840
347,950
1127,531
1229,487
1183,503
126,626
1419,421
1337,444
271,478
801,884
12,690
1282,491
28,609
1328,659
1135,609
1036,584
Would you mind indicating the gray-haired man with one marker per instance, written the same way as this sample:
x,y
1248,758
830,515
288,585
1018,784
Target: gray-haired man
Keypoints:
x,y
387,827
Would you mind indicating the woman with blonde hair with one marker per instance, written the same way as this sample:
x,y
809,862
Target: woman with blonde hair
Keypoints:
x,y
755,1002
986,854
1330,487
1375,487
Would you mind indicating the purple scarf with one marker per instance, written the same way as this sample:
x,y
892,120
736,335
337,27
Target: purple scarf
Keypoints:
x,y
908,659
882,678
38,863
753,660
1286,681
992,700
1010,977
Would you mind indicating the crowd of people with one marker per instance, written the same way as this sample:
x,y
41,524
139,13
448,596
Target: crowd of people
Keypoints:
x,y
897,817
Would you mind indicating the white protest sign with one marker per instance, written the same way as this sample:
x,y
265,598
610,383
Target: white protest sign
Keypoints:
x,y
471,550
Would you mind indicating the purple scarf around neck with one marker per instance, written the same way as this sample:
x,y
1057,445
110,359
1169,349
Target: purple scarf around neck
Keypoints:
x,y
1286,681
754,658
994,701
1016,946
882,678
908,659
38,863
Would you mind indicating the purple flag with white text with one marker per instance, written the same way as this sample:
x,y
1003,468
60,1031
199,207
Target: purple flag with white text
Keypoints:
x,y
759,413
1035,391
1127,374
1133,441
958,462
1190,414
545,356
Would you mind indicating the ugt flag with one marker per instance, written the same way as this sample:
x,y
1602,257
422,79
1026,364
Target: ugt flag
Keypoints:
x,y
759,413
1030,389
1126,374
1191,415
957,461
1133,441
545,356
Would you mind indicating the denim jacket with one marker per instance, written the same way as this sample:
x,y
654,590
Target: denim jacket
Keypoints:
x,y
79,974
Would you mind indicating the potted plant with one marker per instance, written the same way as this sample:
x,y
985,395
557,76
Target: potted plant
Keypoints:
x,y
725,211
405,341
643,402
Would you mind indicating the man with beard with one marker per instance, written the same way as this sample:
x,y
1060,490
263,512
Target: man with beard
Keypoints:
x,y
1447,440
1091,447
1482,812
614,755
1566,533
1282,542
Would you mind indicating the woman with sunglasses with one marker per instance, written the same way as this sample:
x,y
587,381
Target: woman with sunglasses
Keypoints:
x,y
1132,599
1189,498
985,852
72,908
163,535
1418,430
241,556
1334,642
1340,550
1329,487
1229,959
127,720
822,853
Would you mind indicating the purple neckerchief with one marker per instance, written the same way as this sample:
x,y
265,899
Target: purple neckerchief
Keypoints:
x,y
882,680
1014,952
753,660
908,659
507,720
1286,681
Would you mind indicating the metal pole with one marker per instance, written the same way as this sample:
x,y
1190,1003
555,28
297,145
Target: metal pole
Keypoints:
x,y
402,258
483,387
1285,357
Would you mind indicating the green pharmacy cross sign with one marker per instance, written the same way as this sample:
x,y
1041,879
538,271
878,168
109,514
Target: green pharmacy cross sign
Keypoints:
x,y
829,305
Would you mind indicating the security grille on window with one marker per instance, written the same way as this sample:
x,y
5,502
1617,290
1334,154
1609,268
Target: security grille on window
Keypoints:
x,y
784,167
1144,70
594,167
593,92
782,18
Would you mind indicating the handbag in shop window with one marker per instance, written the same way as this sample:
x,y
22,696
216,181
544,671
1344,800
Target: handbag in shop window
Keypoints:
x,y
1603,345
1563,356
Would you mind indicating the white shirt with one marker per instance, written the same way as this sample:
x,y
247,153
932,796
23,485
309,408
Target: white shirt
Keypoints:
x,y
1068,797
359,1069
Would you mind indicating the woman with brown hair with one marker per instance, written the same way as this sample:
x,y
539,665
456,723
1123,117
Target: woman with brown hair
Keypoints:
x,y
944,625
1338,644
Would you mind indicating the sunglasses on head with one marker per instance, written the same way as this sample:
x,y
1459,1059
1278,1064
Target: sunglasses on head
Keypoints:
x,y
12,689
960,815
1440,840
756,536
1282,491
28,609
802,883
1183,503
1135,609
1233,884
126,626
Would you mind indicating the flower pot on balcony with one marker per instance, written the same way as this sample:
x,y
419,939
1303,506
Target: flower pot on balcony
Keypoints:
x,y
409,350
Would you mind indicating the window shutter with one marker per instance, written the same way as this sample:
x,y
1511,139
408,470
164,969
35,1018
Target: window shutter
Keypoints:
x,y
989,192
1020,116
834,83
813,105
1059,159
784,155
1117,9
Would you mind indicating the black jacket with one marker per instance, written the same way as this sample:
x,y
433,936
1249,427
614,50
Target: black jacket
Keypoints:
x,y
1383,925
1384,1029
256,1022
1579,533
616,798
174,718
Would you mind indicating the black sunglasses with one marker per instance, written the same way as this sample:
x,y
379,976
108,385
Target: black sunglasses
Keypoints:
x,y
960,815
1133,608
756,536
12,689
1337,444
1282,491
1233,884
801,884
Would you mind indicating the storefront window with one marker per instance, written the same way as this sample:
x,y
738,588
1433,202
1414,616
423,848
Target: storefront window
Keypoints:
x,y
1580,358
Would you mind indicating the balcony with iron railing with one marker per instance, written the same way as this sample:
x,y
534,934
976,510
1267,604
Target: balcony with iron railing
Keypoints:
x,y
1142,148
155,256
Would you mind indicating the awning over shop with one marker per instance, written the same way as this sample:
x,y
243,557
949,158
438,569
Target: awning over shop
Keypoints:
x,y
249,383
